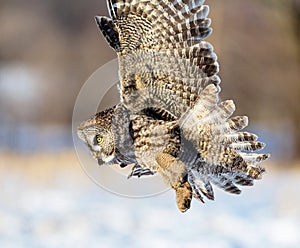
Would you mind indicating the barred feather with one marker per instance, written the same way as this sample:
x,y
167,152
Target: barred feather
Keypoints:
x,y
169,93
204,187
239,136
138,171
247,146
150,30
109,31
211,128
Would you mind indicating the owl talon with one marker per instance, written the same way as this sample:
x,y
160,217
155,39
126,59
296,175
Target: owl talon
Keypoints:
x,y
184,196
174,173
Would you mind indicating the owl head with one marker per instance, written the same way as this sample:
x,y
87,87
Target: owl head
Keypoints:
x,y
97,134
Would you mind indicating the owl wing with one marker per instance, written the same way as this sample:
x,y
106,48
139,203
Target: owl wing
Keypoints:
x,y
228,155
163,57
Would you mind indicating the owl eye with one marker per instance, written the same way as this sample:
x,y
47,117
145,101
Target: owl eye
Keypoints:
x,y
98,139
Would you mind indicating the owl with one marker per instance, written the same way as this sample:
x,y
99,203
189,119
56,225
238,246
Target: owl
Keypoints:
x,y
170,119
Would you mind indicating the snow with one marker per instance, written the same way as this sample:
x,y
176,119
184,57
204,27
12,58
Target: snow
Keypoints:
x,y
72,211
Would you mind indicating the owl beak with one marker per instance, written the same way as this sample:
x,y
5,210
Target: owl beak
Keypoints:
x,y
96,156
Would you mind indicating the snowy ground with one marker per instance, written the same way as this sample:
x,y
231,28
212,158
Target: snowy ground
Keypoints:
x,y
61,207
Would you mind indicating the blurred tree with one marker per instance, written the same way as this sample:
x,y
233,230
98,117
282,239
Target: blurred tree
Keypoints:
x,y
260,62
295,6
295,9
257,43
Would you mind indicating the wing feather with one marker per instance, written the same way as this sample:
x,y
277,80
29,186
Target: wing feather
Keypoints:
x,y
213,131
161,44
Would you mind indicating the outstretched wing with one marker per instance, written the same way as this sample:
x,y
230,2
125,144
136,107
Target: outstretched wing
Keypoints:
x,y
227,154
154,24
162,54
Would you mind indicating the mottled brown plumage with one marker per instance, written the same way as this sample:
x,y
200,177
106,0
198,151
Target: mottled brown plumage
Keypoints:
x,y
170,119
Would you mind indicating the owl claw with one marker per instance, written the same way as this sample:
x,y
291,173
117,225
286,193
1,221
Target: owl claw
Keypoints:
x,y
174,173
184,196
138,171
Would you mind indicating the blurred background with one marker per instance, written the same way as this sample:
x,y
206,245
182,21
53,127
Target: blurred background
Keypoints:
x,y
48,49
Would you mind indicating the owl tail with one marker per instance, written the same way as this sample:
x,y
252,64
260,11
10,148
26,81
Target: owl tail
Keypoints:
x,y
201,175
218,137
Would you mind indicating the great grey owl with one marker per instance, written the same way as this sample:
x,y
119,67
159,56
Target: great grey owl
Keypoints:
x,y
170,119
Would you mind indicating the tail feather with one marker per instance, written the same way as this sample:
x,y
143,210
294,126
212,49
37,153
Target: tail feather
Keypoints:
x,y
195,188
239,178
207,190
226,184
202,174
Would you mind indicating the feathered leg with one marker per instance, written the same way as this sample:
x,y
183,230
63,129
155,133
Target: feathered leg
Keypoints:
x,y
174,174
